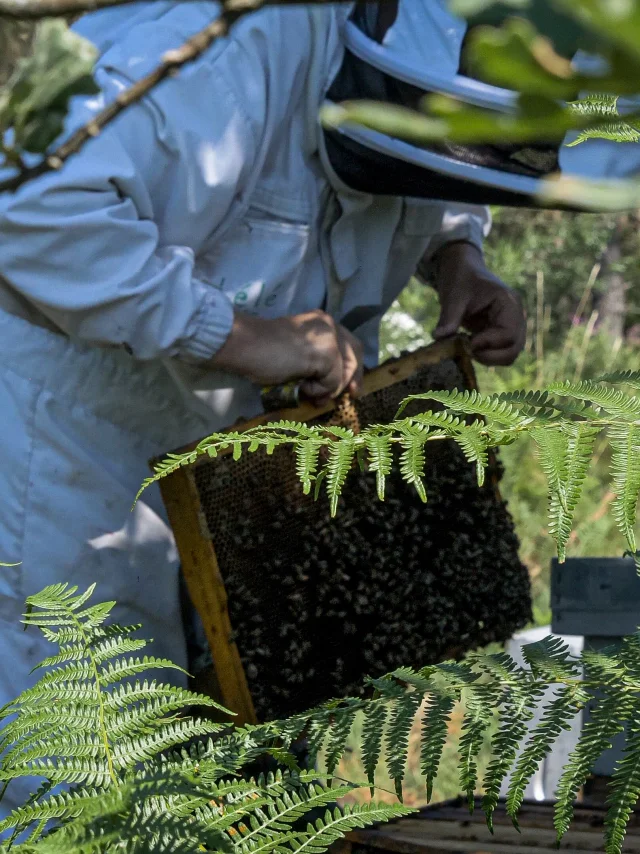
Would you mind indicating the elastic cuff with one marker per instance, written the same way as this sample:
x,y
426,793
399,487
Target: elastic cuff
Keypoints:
x,y
210,327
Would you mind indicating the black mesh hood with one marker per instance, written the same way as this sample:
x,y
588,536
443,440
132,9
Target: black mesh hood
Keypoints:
x,y
370,171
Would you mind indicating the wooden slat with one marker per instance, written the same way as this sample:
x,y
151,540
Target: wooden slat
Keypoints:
x,y
375,380
449,827
207,591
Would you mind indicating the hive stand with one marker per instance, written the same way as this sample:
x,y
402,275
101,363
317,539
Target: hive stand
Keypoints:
x,y
197,553
598,598
447,828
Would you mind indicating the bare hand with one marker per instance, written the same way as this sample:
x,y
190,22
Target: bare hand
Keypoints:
x,y
474,298
310,348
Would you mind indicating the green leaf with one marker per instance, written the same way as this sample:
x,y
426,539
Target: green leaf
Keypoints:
x,y
380,458
557,716
36,99
338,466
625,468
624,789
400,723
565,456
434,735
375,719
412,458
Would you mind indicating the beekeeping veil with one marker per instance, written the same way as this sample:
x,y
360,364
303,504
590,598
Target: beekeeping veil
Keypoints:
x,y
398,51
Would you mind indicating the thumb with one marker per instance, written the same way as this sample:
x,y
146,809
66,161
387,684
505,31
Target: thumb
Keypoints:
x,y
451,316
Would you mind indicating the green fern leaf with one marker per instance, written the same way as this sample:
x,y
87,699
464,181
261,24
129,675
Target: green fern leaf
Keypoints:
x,y
557,716
397,741
434,735
474,445
336,824
490,407
625,468
630,378
375,719
129,694
606,720
116,671
550,659
412,458
624,789
380,458
338,736
565,455
307,459
518,708
480,702
338,466
610,400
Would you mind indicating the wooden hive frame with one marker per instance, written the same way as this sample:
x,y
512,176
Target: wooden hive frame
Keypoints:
x,y
197,552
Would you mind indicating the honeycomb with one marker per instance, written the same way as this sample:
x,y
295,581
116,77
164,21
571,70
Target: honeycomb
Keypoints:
x,y
317,604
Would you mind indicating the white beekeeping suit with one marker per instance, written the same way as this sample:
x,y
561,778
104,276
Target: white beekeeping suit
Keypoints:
x,y
120,275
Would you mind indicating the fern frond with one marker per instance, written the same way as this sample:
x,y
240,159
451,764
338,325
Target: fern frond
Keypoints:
x,y
531,400
517,709
557,716
131,693
113,647
630,378
412,458
339,464
607,720
401,720
116,671
480,705
375,719
625,469
610,400
151,716
472,403
474,444
319,836
565,454
624,789
290,806
550,659
338,736
87,770
380,453
552,446
307,460
435,721
614,127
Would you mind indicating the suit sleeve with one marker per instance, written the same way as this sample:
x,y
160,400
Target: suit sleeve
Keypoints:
x,y
84,245
460,222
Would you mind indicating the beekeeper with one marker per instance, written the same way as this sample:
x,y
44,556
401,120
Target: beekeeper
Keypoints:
x,y
200,247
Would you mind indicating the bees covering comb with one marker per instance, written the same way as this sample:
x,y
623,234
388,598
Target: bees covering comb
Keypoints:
x,y
316,604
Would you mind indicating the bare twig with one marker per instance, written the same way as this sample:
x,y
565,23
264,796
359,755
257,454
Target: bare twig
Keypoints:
x,y
171,62
35,9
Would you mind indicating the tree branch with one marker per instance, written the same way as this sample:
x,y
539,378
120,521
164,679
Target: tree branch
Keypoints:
x,y
23,10
171,62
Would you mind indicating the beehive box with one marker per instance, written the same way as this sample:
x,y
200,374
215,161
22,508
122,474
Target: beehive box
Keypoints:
x,y
298,607
448,827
